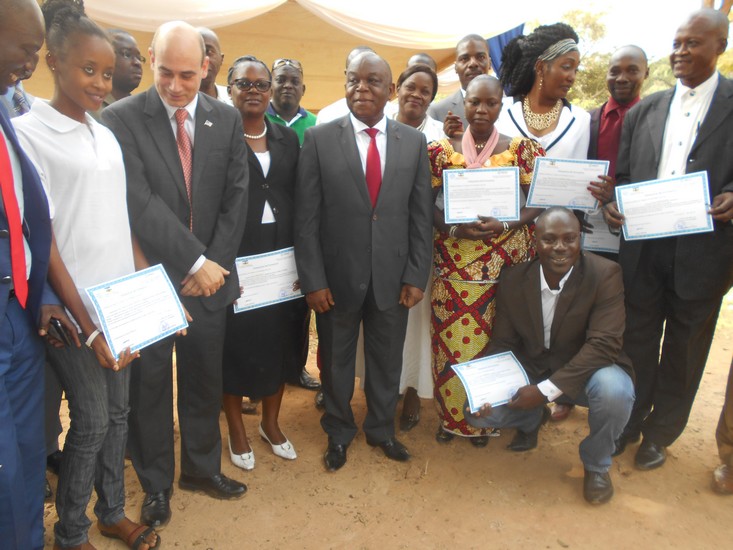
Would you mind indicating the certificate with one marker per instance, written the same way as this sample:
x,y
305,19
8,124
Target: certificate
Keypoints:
x,y
138,309
266,279
469,194
564,182
494,379
601,240
665,208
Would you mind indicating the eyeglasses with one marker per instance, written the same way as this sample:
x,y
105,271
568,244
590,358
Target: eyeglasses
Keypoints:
x,y
127,54
244,84
292,62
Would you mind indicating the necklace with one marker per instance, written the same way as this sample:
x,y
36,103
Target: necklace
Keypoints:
x,y
258,136
540,121
480,146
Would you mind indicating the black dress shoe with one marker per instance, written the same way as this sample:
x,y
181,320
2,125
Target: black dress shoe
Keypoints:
x,y
392,449
624,439
53,462
649,456
480,441
308,382
156,510
407,422
442,436
597,487
320,401
525,441
335,456
217,486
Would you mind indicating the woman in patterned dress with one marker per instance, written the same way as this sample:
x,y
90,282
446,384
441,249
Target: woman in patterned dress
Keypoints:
x,y
468,258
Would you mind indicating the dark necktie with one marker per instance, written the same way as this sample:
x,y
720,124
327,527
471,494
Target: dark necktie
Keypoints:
x,y
15,226
185,151
20,105
373,166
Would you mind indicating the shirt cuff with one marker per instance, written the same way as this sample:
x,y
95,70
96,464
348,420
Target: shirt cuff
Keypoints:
x,y
195,267
549,390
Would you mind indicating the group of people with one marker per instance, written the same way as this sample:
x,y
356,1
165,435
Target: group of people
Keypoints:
x,y
98,183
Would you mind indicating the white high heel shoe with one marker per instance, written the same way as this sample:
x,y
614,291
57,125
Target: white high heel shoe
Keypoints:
x,y
284,450
246,461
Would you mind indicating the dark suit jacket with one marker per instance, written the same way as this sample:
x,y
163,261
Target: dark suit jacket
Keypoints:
x,y
452,103
342,243
37,229
595,126
587,330
157,199
703,262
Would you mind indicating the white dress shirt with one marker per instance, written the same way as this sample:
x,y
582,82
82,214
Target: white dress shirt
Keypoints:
x,y
363,140
686,114
549,304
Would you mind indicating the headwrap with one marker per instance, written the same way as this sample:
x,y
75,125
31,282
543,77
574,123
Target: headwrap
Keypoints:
x,y
559,48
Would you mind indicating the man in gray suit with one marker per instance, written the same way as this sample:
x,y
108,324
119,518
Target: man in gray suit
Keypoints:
x,y
363,242
472,59
187,194
675,285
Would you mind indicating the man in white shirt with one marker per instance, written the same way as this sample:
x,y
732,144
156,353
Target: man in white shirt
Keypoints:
x,y
562,315
216,58
675,285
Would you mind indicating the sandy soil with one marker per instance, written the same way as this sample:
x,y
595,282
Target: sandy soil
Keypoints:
x,y
456,496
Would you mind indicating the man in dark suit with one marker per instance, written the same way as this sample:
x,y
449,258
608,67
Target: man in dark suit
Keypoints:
x,y
363,241
562,315
187,193
723,474
675,285
25,242
472,59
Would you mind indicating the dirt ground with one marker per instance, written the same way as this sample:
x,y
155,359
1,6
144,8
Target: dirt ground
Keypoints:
x,y
456,496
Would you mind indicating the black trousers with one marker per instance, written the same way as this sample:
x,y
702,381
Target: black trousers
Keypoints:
x,y
199,376
384,339
666,381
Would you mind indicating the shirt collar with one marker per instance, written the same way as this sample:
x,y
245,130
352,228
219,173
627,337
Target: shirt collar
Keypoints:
x,y
55,120
543,283
706,87
272,112
359,126
191,108
612,104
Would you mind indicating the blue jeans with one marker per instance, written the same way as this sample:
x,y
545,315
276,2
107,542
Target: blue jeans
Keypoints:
x,y
22,449
94,451
609,396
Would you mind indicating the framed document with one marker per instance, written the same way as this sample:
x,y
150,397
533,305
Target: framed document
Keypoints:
x,y
137,310
266,279
494,379
564,182
468,194
601,240
666,207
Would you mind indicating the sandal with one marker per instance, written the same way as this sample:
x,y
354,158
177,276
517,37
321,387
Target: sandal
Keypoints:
x,y
136,538
441,436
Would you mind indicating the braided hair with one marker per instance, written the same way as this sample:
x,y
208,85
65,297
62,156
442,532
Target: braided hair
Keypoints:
x,y
246,59
520,56
64,18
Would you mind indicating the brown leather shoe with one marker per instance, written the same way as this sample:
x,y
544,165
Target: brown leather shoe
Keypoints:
x,y
723,480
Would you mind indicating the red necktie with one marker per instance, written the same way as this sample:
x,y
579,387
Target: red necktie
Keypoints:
x,y
185,151
373,166
15,226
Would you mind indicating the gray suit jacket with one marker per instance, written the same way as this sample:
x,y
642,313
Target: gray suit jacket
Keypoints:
x,y
587,330
341,242
157,199
703,262
452,103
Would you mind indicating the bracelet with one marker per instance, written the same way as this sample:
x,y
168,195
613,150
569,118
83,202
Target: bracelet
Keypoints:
x,y
506,226
91,338
452,231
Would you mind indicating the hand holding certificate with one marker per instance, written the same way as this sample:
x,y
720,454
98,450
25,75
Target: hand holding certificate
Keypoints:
x,y
601,239
266,279
564,182
492,192
138,310
493,380
665,208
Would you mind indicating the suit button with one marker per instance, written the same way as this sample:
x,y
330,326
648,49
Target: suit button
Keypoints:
x,y
4,233
274,210
690,160
374,218
362,286
6,280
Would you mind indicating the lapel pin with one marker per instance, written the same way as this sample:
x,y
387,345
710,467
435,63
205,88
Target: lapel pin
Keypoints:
x,y
208,123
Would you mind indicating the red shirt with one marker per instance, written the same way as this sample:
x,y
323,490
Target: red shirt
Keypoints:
x,y
609,131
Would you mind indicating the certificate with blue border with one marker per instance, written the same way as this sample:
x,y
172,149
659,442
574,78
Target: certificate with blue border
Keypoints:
x,y
666,207
494,379
601,240
137,310
564,182
490,192
267,279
